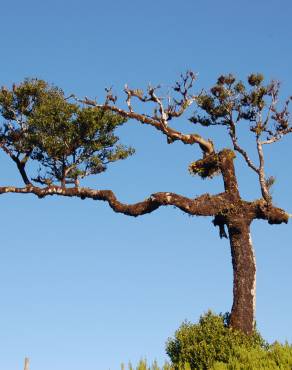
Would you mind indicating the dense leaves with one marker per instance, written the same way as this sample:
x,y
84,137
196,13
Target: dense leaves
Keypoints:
x,y
67,140
275,356
202,344
211,345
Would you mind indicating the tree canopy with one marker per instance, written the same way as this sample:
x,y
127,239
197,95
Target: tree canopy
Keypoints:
x,y
70,138
67,140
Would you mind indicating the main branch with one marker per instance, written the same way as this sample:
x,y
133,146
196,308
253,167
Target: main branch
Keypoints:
x,y
205,205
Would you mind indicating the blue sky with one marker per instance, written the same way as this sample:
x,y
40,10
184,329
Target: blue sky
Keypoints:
x,y
83,287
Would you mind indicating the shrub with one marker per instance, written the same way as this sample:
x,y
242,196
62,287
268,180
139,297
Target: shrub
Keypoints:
x,y
211,345
201,345
277,356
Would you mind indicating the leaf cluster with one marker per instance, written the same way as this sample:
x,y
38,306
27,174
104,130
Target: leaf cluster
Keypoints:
x,y
207,167
231,101
276,356
67,140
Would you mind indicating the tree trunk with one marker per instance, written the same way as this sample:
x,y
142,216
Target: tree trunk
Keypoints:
x,y
244,275
26,363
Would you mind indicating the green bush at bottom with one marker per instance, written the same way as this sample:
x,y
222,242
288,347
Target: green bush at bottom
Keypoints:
x,y
211,345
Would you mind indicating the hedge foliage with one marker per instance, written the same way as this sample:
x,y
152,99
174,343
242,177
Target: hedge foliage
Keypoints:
x,y
211,345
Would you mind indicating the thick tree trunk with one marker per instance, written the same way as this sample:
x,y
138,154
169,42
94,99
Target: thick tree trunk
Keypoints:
x,y
244,276
243,260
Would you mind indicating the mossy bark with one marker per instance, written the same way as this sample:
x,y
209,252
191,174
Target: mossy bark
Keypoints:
x,y
238,221
244,276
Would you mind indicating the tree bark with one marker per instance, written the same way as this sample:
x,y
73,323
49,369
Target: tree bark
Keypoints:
x,y
238,222
244,276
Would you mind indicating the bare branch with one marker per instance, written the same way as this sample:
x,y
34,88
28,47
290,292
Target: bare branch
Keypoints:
x,y
205,205
110,97
232,134
261,172
158,120
278,136
19,163
158,101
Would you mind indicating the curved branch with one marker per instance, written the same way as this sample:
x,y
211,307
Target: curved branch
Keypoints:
x,y
261,173
232,134
205,205
160,124
277,136
19,163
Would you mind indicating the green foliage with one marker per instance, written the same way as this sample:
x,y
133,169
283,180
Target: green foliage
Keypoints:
x,y
67,140
243,355
201,345
230,102
277,356
211,345
207,167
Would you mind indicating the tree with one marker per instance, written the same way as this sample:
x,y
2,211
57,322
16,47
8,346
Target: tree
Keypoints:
x,y
72,138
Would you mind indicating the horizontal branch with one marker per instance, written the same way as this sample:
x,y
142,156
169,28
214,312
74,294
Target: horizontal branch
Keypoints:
x,y
265,211
278,136
205,205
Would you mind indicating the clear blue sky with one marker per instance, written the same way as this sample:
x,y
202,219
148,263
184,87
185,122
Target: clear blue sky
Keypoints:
x,y
83,287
